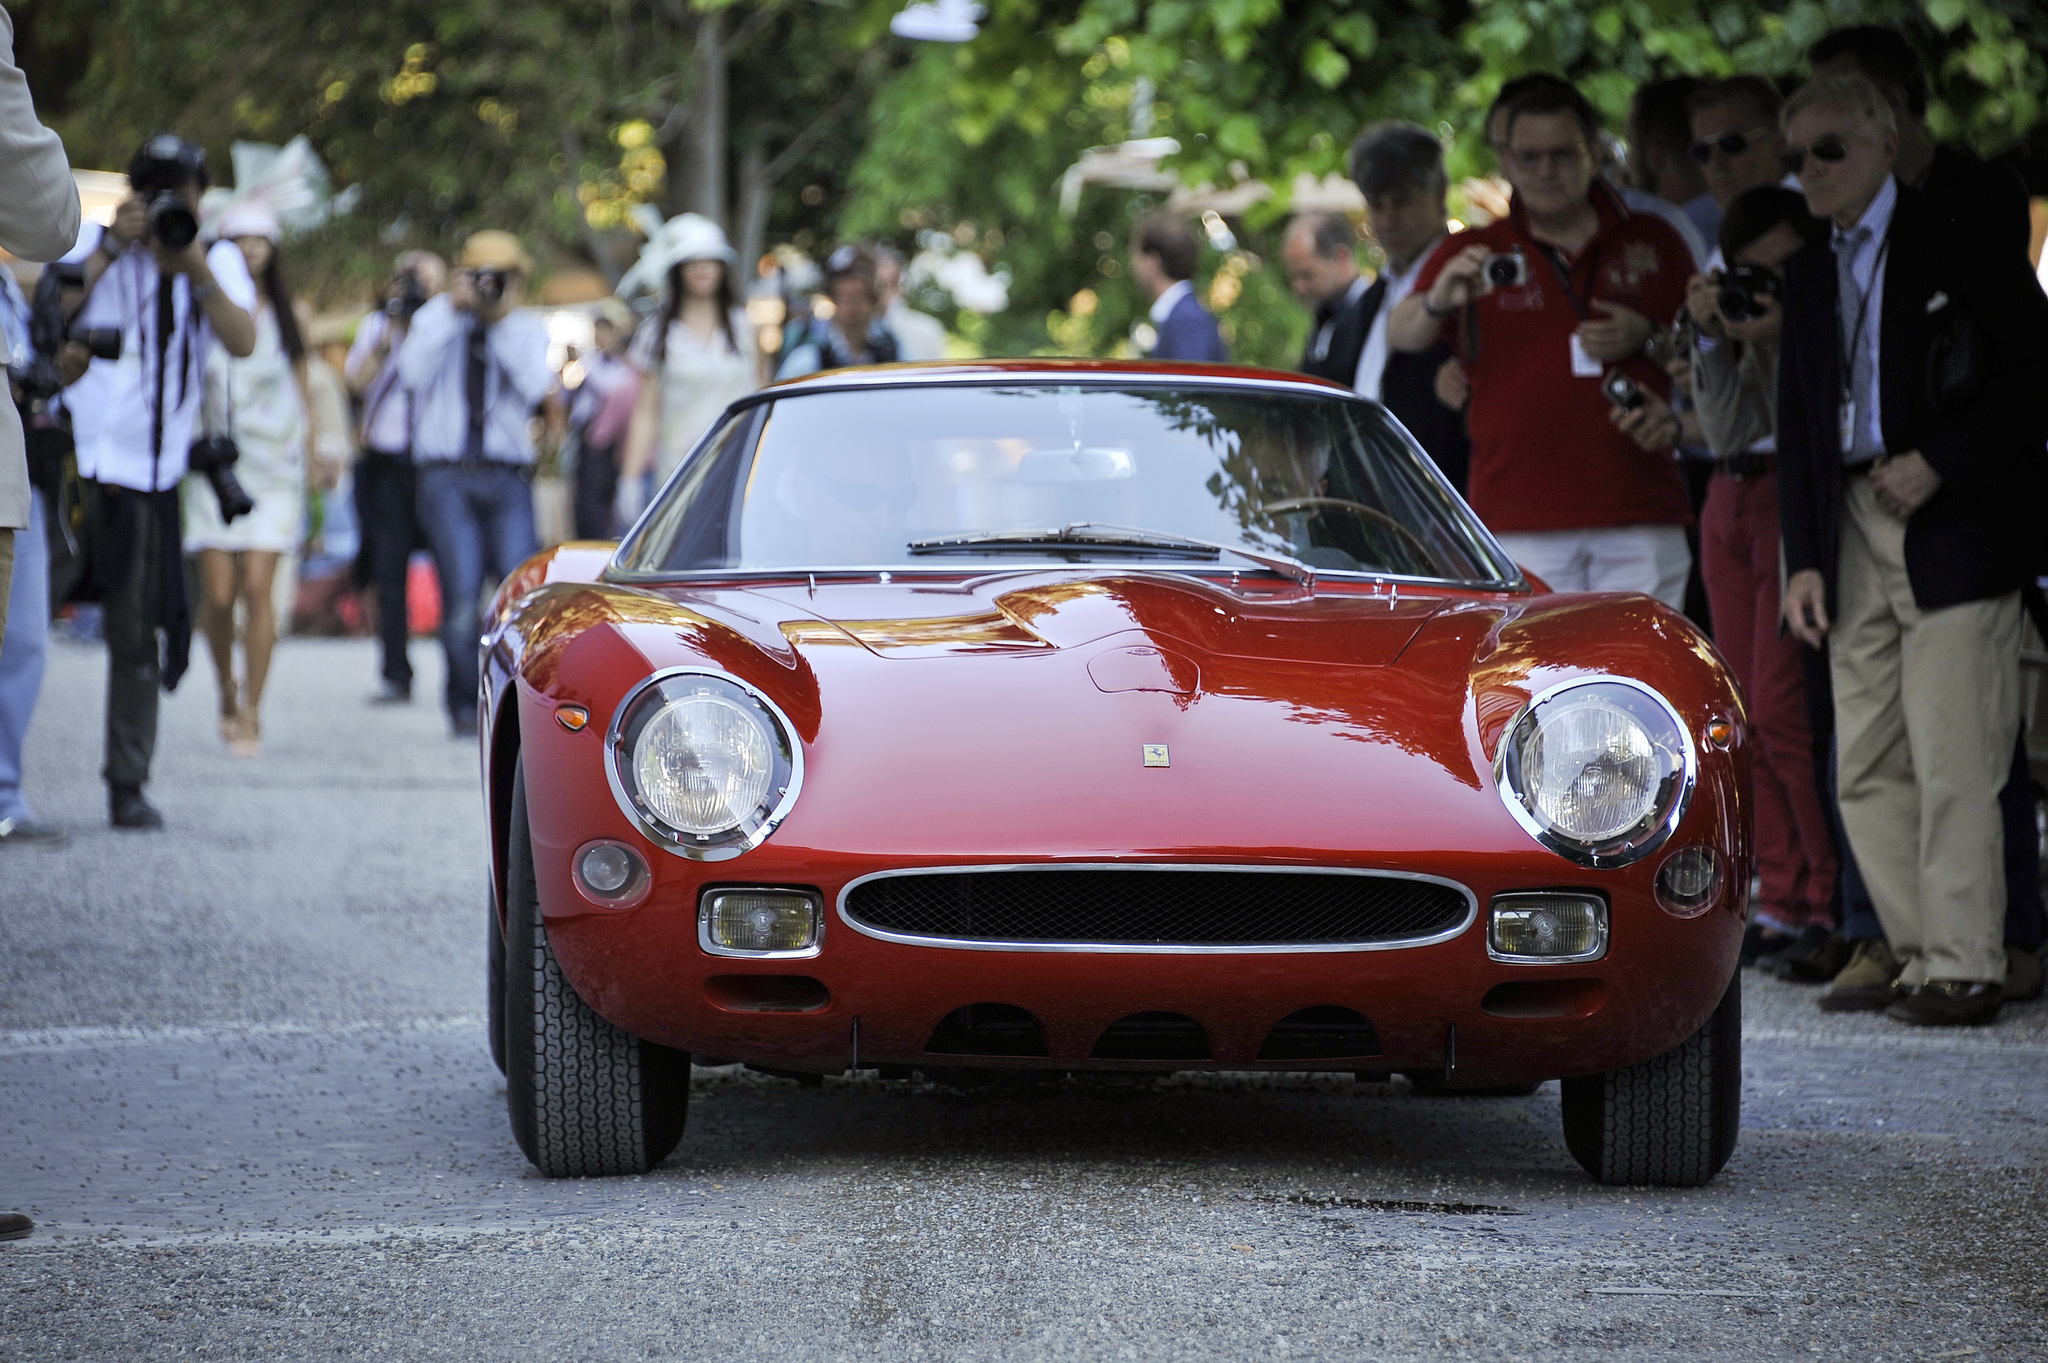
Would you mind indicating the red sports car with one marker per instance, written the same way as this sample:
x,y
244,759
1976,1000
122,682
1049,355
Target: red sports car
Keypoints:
x,y
1090,716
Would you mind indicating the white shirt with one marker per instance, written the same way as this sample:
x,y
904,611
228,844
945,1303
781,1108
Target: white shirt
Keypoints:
x,y
387,407
434,364
1165,303
1372,361
1870,288
919,336
113,406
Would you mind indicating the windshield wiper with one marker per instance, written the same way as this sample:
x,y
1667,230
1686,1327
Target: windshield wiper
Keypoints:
x,y
1096,535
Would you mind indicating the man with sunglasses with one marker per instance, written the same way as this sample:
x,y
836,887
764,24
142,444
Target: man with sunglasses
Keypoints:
x,y
1973,197
1735,135
1543,305
1910,440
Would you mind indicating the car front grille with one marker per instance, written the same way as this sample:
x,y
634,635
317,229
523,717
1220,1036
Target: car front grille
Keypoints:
x,y
1157,907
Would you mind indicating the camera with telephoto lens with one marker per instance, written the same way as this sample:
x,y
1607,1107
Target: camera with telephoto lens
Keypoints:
x,y
214,456
1743,289
161,172
50,326
1622,391
406,297
490,286
1506,270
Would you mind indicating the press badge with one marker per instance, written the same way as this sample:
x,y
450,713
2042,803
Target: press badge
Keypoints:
x,y
1848,425
1584,366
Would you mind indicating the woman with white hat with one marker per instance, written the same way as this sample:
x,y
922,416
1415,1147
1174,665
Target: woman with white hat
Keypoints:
x,y
698,352
259,403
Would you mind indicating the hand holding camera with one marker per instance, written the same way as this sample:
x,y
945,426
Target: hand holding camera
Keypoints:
x,y
1703,304
1639,414
1463,278
1751,302
485,292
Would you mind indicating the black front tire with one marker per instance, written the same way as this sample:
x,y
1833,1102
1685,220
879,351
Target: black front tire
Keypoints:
x,y
1671,1121
586,1099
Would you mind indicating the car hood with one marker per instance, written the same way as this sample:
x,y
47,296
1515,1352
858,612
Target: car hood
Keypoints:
x,y
1071,713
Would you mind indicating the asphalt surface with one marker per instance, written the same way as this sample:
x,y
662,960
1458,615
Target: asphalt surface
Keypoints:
x,y
245,1093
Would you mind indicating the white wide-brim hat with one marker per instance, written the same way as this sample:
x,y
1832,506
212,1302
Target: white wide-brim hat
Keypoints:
x,y
683,238
248,218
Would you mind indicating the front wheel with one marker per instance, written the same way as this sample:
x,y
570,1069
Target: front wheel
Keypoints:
x,y
586,1099
1671,1121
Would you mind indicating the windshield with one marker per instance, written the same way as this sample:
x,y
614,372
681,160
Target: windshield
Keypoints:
x,y
938,476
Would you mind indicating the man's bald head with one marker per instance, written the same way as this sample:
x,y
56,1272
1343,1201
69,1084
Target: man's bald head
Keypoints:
x,y
1321,258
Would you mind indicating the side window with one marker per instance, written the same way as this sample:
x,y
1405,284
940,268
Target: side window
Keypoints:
x,y
688,526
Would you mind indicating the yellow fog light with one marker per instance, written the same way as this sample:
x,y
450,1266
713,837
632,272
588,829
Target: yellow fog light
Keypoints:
x,y
1547,927
759,922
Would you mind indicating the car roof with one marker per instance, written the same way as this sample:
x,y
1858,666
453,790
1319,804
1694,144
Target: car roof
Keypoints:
x,y
1051,371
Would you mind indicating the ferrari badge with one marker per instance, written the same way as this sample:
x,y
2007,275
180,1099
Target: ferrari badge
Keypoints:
x,y
1155,755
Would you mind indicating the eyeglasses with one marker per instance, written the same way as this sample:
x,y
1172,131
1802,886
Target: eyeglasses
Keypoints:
x,y
1561,158
1830,148
1730,144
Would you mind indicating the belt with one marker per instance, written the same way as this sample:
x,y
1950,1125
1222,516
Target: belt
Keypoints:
x,y
473,464
1745,465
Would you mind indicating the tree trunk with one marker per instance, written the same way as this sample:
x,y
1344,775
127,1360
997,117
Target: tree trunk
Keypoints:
x,y
702,183
757,196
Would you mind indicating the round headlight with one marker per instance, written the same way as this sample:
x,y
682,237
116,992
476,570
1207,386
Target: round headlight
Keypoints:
x,y
1599,771
703,763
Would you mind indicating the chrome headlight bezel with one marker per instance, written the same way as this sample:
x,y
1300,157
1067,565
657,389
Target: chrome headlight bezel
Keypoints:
x,y
658,692
1666,811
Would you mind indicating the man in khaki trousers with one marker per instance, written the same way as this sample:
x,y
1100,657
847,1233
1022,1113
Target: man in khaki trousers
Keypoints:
x,y
1911,478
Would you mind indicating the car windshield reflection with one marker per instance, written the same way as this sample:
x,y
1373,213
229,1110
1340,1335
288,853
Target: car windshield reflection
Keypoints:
x,y
935,475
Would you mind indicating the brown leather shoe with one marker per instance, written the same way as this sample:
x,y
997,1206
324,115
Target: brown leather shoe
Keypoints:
x,y
1868,984
1949,1003
2022,975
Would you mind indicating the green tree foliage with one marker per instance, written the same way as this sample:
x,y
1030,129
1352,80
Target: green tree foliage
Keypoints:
x,y
978,137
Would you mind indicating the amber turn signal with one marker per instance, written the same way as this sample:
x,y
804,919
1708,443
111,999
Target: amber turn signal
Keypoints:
x,y
572,717
1720,732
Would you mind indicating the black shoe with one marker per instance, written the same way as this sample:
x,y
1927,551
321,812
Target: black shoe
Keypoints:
x,y
15,1226
130,810
463,726
1759,941
1816,956
1949,1003
392,693
22,832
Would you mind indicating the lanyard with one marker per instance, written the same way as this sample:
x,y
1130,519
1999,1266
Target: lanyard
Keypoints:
x,y
1855,336
1564,275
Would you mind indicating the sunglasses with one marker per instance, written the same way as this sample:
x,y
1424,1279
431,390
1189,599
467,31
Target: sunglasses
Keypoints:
x,y
1829,148
1729,144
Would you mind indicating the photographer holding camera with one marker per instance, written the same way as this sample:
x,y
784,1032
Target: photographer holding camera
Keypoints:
x,y
385,490
476,365
135,421
1551,308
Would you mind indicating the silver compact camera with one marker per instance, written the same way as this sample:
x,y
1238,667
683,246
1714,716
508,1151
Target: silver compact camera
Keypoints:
x,y
1506,270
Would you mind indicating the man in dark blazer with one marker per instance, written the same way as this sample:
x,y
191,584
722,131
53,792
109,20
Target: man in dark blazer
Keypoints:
x,y
1164,253
1911,477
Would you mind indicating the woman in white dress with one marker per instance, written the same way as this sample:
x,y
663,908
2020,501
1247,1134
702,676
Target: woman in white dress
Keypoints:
x,y
698,353
260,403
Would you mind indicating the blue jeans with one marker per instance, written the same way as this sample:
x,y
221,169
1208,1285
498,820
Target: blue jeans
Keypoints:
x,y
478,519
22,653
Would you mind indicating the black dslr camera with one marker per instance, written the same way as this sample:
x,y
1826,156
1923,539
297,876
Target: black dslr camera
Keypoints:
x,y
490,286
1743,289
213,457
160,172
406,297
50,326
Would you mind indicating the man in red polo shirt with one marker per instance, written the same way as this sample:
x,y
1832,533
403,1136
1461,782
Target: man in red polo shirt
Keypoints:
x,y
1583,286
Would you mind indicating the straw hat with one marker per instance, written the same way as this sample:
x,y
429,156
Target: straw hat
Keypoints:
x,y
494,250
683,238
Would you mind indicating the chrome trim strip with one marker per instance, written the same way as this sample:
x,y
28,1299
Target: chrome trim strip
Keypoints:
x,y
1578,854
1144,949
1514,898
668,839
712,948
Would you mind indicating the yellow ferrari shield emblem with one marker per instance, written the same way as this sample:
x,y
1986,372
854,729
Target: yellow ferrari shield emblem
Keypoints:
x,y
1155,755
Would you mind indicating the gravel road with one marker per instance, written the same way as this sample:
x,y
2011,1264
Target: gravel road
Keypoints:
x,y
244,1091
